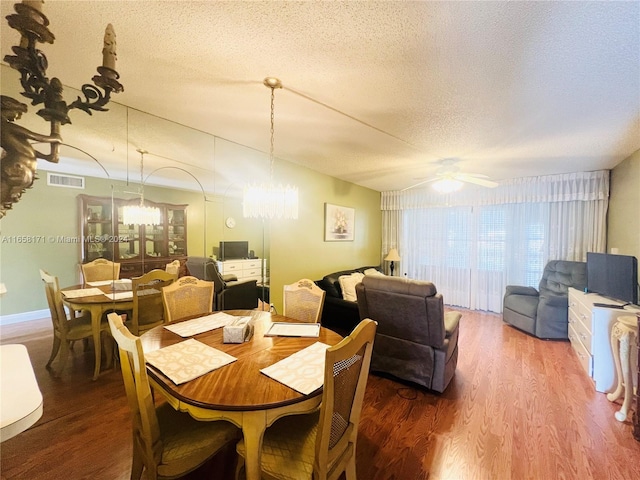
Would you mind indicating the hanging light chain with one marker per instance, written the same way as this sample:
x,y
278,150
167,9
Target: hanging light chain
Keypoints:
x,y
270,201
271,156
142,152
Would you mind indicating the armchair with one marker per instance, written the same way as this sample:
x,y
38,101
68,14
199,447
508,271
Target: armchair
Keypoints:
x,y
416,340
544,312
229,293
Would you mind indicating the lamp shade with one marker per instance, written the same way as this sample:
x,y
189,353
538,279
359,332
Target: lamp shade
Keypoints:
x,y
392,256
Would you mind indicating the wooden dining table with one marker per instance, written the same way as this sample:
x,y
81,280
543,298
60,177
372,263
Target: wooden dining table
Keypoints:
x,y
96,305
239,392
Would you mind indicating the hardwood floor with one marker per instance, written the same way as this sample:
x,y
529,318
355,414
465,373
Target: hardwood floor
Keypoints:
x,y
518,408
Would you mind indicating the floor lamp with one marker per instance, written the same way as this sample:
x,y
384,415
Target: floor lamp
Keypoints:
x,y
392,256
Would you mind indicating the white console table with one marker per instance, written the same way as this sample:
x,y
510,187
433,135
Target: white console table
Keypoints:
x,y
244,269
590,336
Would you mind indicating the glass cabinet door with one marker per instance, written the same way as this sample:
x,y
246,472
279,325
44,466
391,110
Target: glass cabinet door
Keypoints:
x,y
177,235
155,244
128,239
98,229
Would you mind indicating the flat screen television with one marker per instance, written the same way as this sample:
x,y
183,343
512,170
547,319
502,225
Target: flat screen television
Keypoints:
x,y
613,276
233,250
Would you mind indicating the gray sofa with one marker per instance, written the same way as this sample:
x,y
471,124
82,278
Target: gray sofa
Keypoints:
x,y
544,312
416,340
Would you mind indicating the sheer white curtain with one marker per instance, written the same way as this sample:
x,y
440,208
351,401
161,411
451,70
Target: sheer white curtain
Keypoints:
x,y
474,243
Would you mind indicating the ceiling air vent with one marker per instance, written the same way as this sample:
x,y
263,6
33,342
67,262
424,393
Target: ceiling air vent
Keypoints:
x,y
68,181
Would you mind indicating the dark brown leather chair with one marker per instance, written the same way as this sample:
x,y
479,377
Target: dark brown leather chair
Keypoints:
x,y
229,293
416,340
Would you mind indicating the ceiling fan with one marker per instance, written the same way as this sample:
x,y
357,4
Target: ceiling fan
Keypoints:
x,y
448,178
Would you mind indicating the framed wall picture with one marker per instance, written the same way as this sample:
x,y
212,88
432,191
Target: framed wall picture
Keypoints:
x,y
339,223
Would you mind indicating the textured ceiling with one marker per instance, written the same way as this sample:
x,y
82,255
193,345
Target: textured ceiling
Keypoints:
x,y
376,93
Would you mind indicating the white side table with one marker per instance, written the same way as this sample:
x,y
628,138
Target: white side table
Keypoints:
x,y
623,334
20,397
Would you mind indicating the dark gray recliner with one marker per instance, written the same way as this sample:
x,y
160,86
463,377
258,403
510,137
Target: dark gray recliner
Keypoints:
x,y
229,292
416,340
544,312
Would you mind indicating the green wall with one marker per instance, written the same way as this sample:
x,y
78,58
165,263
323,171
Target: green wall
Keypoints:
x,y
623,218
298,249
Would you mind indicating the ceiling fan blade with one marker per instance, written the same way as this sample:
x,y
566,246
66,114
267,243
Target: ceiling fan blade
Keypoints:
x,y
419,183
475,180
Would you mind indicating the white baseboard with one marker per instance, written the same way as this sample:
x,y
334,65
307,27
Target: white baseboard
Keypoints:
x,y
24,316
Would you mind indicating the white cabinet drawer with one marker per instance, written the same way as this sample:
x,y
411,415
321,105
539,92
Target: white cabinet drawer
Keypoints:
x,y
584,357
255,272
251,264
584,335
229,267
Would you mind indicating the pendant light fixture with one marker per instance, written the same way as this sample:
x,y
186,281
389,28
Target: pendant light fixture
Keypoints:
x,y
141,214
270,200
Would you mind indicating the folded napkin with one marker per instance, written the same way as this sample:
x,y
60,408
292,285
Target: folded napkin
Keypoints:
x,y
303,371
201,324
187,360
82,292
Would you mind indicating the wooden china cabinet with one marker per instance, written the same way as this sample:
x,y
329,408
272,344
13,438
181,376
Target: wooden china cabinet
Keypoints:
x,y
138,248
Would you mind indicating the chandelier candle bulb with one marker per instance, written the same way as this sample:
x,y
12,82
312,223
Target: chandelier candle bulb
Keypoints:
x,y
109,56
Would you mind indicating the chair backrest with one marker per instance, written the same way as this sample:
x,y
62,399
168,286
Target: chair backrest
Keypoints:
x,y
54,299
173,267
205,268
345,379
148,308
146,430
559,275
303,301
186,297
99,270
411,310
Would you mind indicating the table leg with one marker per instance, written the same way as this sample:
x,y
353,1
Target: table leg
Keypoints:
x,y
96,316
254,424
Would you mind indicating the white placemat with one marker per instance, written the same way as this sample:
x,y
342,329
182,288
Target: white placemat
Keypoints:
x,y
82,292
201,324
303,371
286,329
187,360
119,295
100,283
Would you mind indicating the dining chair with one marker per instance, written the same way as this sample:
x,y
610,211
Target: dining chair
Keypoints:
x,y
166,443
99,270
322,445
186,297
66,328
173,267
148,308
304,300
